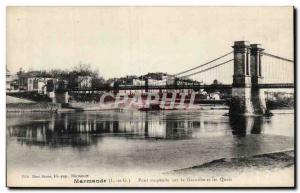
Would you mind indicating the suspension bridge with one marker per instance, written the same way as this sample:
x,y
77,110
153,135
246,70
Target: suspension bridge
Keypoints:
x,y
249,68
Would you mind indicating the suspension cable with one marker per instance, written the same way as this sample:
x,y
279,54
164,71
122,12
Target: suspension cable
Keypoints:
x,y
277,57
198,72
202,65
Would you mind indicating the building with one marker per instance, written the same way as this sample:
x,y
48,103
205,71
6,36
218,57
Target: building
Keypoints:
x,y
111,82
157,78
34,81
8,80
215,96
151,79
126,81
84,82
11,82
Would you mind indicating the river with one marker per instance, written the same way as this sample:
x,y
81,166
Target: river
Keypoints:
x,y
130,142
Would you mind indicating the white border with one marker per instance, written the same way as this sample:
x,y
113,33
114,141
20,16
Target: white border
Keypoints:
x,y
4,3
151,2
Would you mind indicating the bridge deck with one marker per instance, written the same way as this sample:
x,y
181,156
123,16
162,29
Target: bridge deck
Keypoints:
x,y
179,87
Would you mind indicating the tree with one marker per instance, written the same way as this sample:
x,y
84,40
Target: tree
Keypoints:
x,y
71,77
60,74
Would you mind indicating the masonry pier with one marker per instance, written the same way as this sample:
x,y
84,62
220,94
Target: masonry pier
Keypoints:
x,y
247,99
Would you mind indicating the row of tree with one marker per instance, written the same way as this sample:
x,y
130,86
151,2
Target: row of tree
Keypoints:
x,y
70,79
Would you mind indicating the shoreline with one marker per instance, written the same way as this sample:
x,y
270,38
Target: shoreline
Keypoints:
x,y
58,108
271,162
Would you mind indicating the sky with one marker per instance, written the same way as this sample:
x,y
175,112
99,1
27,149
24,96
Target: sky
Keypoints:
x,y
119,41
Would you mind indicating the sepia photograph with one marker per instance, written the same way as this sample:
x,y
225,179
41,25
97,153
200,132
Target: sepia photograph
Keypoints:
x,y
150,96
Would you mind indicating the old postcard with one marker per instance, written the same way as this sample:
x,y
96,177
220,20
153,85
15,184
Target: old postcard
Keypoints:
x,y
150,96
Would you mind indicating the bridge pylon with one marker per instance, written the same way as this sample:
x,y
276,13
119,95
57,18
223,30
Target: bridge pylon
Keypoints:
x,y
246,96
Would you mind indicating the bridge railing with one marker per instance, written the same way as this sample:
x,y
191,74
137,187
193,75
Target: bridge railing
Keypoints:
x,y
154,87
178,87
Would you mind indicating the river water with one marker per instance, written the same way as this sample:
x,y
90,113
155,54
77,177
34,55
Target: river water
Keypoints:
x,y
131,142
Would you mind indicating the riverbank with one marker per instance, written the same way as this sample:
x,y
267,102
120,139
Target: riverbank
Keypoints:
x,y
263,170
33,107
269,161
14,104
88,106
11,99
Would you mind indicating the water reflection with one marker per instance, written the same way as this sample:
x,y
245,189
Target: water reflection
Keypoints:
x,y
240,125
49,133
84,129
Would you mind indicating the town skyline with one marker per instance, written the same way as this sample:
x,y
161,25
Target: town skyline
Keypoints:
x,y
130,41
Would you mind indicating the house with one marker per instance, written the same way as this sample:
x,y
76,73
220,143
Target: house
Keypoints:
x,y
34,81
137,82
131,81
126,81
215,96
9,81
111,82
158,78
84,81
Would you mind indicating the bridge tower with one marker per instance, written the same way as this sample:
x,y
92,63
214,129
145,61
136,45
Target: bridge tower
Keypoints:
x,y
258,96
246,98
